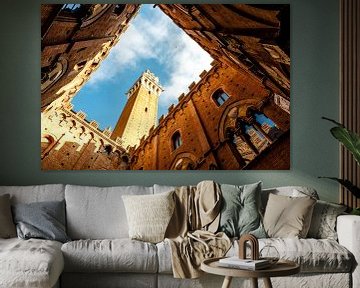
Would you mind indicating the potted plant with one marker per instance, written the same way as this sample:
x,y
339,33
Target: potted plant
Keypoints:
x,y
351,141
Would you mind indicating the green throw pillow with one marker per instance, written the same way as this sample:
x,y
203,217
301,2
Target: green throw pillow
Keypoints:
x,y
240,210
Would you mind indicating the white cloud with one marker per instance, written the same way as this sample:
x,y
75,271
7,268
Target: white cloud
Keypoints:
x,y
157,38
188,62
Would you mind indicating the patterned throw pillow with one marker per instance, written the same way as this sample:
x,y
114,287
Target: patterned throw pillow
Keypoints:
x,y
288,217
323,222
7,226
240,210
149,215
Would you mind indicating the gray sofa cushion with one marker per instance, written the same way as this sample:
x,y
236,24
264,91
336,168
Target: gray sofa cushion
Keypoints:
x,y
313,255
35,193
98,213
44,220
117,255
30,263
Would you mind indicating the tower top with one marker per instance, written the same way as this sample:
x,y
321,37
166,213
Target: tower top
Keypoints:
x,y
150,81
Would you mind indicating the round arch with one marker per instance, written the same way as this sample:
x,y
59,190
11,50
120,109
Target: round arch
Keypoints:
x,y
233,111
183,160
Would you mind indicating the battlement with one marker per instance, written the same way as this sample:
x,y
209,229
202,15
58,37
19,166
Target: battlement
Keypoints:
x,y
148,80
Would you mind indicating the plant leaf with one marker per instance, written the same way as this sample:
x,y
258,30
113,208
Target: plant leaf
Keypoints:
x,y
347,184
333,121
348,138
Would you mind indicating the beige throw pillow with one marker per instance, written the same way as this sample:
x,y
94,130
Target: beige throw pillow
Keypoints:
x,y
7,226
288,217
149,215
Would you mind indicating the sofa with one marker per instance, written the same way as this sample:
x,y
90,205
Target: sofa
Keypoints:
x,y
100,253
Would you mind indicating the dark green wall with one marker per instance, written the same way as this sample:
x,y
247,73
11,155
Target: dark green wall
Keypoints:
x,y
314,93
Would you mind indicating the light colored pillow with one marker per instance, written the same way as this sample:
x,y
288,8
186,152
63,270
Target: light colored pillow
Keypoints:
x,y
323,222
149,215
288,217
240,210
7,226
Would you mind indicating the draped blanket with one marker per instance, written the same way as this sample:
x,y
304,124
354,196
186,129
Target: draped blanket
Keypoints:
x,y
191,231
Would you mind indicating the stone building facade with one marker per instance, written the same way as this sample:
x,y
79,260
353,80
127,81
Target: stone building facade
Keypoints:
x,y
236,117
226,121
75,38
253,38
70,142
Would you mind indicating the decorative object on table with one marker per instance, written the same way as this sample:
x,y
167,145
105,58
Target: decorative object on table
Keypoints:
x,y
351,141
247,264
269,253
254,246
241,261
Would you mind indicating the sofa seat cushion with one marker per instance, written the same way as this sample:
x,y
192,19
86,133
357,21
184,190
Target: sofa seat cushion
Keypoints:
x,y
313,255
30,263
115,255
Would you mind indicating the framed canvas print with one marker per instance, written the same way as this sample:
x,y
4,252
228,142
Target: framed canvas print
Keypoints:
x,y
165,86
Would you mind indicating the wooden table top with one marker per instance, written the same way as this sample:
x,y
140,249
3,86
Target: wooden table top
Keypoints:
x,y
281,268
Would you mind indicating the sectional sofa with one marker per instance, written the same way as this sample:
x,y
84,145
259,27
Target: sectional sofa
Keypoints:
x,y
100,253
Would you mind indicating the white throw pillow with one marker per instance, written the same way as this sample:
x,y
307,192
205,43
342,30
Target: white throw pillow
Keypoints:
x,y
149,215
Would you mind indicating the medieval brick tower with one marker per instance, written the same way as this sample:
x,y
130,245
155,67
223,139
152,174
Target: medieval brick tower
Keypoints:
x,y
140,111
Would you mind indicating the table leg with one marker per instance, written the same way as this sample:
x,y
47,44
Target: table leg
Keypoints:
x,y
227,282
267,283
254,282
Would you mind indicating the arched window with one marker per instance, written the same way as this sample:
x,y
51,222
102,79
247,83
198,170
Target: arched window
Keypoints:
x,y
70,7
176,140
213,167
220,97
51,74
256,138
184,164
267,125
47,142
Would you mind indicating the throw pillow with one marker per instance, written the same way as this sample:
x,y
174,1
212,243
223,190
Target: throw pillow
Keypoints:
x,y
323,222
43,220
240,210
149,215
7,227
288,217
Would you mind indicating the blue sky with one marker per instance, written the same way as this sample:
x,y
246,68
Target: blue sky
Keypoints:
x,y
152,41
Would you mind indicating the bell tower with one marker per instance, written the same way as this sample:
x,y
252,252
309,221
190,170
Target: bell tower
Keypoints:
x,y
140,111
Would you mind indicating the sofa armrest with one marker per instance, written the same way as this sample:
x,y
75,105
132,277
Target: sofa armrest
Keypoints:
x,y
348,230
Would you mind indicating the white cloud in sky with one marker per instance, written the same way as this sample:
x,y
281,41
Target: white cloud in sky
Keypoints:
x,y
157,38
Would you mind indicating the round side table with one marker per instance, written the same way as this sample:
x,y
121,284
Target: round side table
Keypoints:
x,y
281,268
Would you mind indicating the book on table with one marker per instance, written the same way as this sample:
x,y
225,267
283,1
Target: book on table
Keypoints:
x,y
249,264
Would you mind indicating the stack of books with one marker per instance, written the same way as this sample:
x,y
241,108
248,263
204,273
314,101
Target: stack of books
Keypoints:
x,y
248,264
